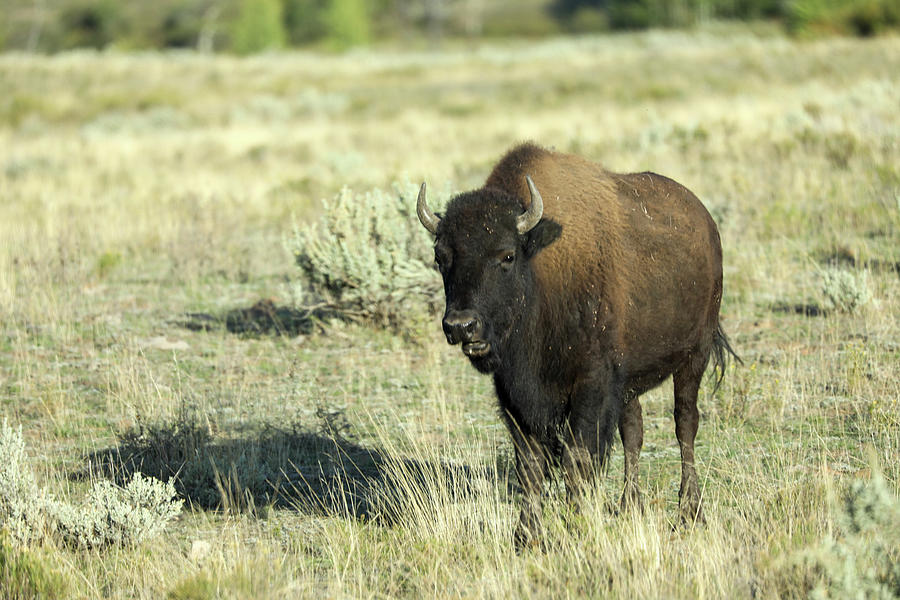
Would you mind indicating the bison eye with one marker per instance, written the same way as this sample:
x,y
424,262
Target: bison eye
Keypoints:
x,y
506,260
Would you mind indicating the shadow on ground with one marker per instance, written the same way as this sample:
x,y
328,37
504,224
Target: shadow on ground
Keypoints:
x,y
320,472
805,309
843,257
264,317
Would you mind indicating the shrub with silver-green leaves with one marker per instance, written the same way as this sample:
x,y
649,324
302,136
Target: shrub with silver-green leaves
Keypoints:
x,y
862,558
844,290
110,515
369,257
118,516
21,501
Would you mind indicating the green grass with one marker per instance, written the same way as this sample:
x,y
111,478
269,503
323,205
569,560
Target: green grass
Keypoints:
x,y
135,189
25,575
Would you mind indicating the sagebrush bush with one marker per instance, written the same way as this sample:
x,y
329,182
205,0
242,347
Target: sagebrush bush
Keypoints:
x,y
110,515
862,558
117,516
21,501
844,290
369,258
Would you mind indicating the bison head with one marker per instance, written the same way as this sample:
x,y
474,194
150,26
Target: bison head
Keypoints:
x,y
484,245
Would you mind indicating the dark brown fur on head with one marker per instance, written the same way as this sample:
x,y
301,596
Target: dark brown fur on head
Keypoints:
x,y
485,264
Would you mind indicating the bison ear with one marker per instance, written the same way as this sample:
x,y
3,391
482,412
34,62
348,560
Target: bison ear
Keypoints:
x,y
541,235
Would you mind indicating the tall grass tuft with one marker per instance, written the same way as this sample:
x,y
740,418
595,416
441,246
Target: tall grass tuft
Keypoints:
x,y
861,558
25,576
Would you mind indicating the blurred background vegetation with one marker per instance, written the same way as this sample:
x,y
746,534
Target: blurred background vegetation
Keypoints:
x,y
249,26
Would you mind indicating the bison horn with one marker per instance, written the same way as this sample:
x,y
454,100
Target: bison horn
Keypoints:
x,y
527,220
429,219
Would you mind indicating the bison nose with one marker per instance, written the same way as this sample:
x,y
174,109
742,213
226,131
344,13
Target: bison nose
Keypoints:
x,y
462,326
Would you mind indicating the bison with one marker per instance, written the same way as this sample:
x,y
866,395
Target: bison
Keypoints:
x,y
579,289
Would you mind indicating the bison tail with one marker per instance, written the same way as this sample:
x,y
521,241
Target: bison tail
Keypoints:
x,y
720,351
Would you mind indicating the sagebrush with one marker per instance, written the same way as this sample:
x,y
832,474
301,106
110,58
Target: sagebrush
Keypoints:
x,y
110,515
22,503
846,291
369,257
861,558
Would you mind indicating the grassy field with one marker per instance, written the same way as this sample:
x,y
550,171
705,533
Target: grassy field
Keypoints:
x,y
136,190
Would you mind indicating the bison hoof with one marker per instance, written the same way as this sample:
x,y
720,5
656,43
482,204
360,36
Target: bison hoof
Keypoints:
x,y
527,537
691,513
631,502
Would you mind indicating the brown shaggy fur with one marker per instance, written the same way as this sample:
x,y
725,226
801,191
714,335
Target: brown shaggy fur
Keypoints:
x,y
623,236
616,288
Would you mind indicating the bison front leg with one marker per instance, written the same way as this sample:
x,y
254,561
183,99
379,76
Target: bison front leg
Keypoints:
x,y
531,469
593,417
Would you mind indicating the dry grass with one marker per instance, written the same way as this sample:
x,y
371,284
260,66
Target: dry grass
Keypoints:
x,y
135,189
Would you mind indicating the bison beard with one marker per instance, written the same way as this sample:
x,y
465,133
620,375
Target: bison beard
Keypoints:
x,y
579,289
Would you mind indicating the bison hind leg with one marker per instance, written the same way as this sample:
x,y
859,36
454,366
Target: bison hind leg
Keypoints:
x,y
687,378
631,430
